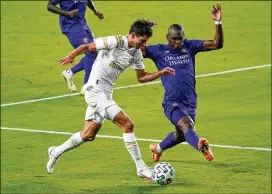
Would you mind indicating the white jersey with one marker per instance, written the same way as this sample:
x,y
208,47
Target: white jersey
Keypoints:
x,y
114,57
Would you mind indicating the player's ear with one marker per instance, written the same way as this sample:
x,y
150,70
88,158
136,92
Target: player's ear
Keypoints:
x,y
167,36
133,35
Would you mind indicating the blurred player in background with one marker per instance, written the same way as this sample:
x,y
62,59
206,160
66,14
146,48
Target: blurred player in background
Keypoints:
x,y
117,54
180,98
74,25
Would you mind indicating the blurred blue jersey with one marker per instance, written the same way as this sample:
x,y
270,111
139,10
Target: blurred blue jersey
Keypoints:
x,y
76,24
179,88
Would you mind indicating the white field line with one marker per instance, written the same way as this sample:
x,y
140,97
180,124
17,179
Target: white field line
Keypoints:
x,y
137,85
139,139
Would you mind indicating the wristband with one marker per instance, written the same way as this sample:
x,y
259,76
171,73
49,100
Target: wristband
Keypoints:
x,y
218,22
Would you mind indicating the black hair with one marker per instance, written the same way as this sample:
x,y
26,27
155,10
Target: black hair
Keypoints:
x,y
141,27
176,27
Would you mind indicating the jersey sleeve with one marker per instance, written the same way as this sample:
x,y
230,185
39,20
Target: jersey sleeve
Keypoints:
x,y
55,2
139,62
107,43
197,45
150,51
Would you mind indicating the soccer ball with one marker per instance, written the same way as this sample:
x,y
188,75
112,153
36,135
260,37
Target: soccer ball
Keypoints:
x,y
163,173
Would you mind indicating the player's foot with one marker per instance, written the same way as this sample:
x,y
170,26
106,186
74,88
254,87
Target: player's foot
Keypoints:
x,y
204,147
83,89
52,159
68,77
145,172
156,155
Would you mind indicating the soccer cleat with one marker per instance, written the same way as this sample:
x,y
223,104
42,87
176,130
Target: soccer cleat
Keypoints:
x,y
83,89
145,172
156,155
52,160
205,149
68,77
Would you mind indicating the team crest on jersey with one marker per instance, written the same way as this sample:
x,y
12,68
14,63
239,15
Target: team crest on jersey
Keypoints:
x,y
131,60
175,104
184,50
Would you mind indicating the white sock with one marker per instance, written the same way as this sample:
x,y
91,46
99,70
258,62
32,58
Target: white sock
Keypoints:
x,y
158,148
73,142
69,72
133,149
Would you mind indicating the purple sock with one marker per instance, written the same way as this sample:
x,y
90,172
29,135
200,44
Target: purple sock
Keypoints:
x,y
78,67
170,141
88,64
192,138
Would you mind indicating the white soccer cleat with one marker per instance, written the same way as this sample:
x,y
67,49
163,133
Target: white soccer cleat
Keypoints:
x,y
83,89
145,172
68,77
52,160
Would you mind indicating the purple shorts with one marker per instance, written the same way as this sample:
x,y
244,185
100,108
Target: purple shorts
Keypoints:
x,y
79,38
175,111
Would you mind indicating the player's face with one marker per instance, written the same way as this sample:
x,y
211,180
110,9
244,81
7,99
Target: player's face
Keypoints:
x,y
139,41
175,38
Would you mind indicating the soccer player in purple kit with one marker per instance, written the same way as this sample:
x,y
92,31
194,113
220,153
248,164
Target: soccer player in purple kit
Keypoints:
x,y
180,98
74,25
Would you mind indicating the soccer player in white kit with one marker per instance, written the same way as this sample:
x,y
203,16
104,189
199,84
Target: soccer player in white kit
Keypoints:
x,y
116,54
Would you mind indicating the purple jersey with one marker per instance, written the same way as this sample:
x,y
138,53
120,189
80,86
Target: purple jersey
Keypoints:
x,y
179,88
76,24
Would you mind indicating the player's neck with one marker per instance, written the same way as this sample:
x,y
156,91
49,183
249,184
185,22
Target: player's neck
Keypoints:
x,y
130,42
175,49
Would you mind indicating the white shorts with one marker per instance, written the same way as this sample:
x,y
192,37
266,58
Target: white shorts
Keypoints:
x,y
101,106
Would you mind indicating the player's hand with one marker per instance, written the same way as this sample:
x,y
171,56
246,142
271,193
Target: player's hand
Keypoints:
x,y
167,71
152,23
72,13
66,60
100,15
216,12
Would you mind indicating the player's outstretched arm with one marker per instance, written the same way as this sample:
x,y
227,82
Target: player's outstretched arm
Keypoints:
x,y
143,76
54,9
90,4
78,51
218,41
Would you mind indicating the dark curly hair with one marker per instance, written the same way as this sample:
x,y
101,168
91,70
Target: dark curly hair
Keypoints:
x,y
141,27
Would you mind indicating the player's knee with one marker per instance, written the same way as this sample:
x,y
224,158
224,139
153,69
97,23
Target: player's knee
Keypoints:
x,y
179,136
88,136
185,124
190,125
128,126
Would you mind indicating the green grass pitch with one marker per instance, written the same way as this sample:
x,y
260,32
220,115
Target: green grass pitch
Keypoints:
x,y
234,109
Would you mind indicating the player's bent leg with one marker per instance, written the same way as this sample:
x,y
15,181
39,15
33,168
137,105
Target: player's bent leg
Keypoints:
x,y
89,132
127,126
171,140
186,125
205,149
201,144
54,152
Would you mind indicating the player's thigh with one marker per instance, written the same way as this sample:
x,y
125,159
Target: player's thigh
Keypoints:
x,y
112,109
115,114
79,38
180,117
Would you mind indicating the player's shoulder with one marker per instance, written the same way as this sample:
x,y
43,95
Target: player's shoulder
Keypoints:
x,y
191,41
119,40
